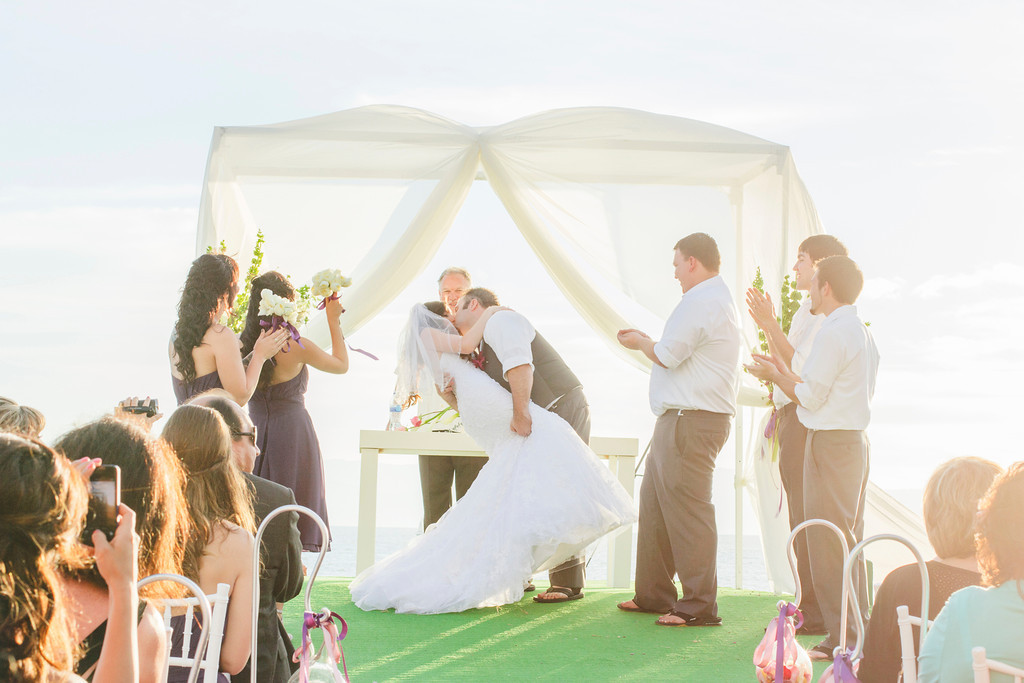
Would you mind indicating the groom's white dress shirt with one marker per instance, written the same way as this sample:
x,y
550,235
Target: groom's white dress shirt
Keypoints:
x,y
510,334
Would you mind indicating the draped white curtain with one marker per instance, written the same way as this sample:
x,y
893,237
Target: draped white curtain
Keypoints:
x,y
596,192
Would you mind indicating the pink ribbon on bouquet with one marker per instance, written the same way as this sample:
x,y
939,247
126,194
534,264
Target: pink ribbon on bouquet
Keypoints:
x,y
277,322
323,304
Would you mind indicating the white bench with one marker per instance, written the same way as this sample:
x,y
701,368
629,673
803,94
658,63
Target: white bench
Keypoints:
x,y
621,454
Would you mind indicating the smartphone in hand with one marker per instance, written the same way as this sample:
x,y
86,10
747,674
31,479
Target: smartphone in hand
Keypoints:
x,y
104,501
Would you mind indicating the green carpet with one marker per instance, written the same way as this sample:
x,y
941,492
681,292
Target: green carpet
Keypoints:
x,y
584,640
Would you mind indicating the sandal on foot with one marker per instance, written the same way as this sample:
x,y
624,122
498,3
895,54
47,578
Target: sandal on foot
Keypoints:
x,y
690,620
564,595
636,608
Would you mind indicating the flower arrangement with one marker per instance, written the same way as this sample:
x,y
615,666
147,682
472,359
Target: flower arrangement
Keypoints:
x,y
789,302
326,285
283,313
444,420
236,316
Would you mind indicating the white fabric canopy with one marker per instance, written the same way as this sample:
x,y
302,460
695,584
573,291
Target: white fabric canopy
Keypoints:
x,y
595,192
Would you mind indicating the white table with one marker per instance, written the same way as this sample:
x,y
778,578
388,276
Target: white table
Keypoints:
x,y
620,452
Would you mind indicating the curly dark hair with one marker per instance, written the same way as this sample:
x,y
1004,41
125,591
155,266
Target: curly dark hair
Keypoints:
x,y
279,285
210,279
1000,536
41,517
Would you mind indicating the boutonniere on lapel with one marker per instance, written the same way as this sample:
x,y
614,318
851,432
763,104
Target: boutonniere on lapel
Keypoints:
x,y
477,359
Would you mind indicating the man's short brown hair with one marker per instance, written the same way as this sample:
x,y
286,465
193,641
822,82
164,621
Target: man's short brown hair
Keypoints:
x,y
486,297
702,247
842,275
822,246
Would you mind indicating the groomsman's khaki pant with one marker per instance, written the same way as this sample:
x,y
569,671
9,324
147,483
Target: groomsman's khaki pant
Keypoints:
x,y
835,486
792,437
677,534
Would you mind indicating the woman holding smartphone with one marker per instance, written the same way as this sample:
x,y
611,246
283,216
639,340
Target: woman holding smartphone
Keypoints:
x,y
290,450
205,354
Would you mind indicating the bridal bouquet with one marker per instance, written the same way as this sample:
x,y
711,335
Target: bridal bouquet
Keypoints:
x,y
327,283
283,313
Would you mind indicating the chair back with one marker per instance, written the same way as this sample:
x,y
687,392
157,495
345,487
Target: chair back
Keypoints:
x,y
204,609
983,667
324,535
850,595
208,659
905,622
791,551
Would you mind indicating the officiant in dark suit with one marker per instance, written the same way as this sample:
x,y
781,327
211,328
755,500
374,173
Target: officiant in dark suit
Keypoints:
x,y
281,576
518,358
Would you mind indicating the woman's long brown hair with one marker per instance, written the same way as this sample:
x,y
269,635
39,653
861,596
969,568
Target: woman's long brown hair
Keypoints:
x,y
43,512
215,489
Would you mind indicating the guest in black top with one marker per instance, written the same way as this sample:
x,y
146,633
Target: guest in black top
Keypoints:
x,y
950,507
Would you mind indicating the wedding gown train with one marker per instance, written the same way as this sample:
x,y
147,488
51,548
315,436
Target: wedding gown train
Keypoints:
x,y
537,502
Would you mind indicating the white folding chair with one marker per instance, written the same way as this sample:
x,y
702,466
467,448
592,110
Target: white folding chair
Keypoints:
x,y
983,666
906,622
791,555
850,598
324,535
204,608
208,658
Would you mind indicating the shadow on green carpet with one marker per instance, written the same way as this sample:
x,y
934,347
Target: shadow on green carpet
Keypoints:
x,y
584,640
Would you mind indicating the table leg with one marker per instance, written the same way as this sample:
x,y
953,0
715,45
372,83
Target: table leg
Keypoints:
x,y
366,534
620,543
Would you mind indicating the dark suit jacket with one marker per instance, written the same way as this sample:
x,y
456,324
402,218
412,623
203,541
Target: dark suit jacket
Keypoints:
x,y
280,581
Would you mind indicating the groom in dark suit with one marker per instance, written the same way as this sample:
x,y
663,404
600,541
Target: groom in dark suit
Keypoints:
x,y
514,355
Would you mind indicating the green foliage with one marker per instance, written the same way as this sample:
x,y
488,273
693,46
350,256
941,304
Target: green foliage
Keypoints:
x,y
789,301
236,319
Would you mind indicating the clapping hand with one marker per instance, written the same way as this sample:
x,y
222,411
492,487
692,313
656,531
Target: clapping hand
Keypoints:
x,y
764,368
760,307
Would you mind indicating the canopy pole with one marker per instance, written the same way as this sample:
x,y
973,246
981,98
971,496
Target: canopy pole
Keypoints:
x,y
737,203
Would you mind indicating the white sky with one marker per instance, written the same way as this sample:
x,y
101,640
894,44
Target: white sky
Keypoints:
x,y
903,118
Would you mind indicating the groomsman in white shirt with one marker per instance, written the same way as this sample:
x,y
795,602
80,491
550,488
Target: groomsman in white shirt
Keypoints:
x,y
694,378
833,396
792,436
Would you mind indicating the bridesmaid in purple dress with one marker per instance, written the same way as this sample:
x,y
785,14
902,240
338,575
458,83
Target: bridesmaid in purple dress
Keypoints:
x,y
203,354
290,451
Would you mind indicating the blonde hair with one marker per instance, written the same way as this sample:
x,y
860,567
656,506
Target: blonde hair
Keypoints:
x,y
215,489
1000,536
951,503
21,420
43,512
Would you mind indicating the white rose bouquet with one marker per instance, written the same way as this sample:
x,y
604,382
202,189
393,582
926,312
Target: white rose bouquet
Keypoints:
x,y
327,283
282,312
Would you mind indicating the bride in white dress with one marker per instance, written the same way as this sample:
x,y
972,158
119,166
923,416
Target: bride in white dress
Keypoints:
x,y
538,501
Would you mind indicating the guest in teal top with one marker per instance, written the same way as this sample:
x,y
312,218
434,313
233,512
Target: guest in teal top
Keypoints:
x,y
991,617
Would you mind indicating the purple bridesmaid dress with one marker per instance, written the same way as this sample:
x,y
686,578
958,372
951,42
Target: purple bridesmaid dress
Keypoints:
x,y
290,451
184,391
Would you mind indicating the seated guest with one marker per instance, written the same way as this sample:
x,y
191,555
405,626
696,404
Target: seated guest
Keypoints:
x,y
950,508
220,547
281,576
43,514
21,420
991,617
151,484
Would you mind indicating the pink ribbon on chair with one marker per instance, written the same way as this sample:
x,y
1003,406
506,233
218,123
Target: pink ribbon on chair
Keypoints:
x,y
785,612
332,642
842,669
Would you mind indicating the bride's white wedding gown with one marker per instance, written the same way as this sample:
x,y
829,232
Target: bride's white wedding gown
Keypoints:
x,y
538,501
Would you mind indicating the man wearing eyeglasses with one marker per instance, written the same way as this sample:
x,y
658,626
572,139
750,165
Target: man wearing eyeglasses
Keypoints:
x,y
281,578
